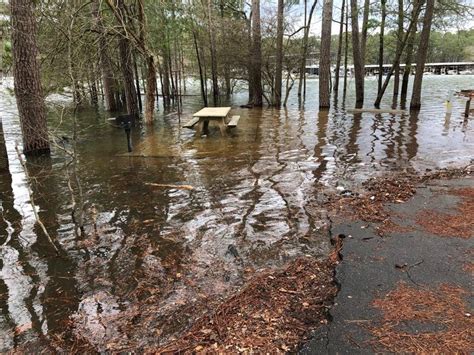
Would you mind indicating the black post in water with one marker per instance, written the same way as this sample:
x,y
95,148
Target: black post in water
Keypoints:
x,y
128,129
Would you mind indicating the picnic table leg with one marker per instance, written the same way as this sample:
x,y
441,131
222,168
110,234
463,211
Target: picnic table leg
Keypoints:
x,y
468,107
199,128
223,127
206,127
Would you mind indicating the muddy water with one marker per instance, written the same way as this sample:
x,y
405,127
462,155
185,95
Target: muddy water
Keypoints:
x,y
256,192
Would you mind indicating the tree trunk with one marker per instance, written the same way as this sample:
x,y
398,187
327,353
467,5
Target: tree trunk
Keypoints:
x,y
279,54
165,88
325,56
108,81
127,73
396,80
150,90
422,54
346,51
201,77
339,51
137,83
357,57
381,44
256,54
126,63
212,41
416,13
305,49
365,28
26,73
250,69
407,69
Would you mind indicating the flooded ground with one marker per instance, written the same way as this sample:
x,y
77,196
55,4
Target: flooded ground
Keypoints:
x,y
254,203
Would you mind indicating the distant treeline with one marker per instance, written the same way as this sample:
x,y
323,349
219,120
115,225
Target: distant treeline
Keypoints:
x,y
443,47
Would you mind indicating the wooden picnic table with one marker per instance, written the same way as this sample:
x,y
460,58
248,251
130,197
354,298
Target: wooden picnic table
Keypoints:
x,y
218,114
207,114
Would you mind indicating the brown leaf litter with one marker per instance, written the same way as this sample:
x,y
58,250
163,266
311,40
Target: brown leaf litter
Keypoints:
x,y
441,318
273,313
398,188
459,224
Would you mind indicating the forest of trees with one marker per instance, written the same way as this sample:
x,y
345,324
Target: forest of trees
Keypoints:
x,y
111,50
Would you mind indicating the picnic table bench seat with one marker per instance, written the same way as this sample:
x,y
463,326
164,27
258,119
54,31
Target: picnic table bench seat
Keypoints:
x,y
191,122
233,121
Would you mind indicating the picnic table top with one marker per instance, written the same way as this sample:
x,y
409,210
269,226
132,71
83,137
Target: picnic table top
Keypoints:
x,y
212,112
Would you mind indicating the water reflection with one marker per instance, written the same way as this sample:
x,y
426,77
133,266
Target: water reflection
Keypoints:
x,y
255,203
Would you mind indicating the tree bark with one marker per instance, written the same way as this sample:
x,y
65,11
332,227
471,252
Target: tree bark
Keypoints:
x,y
137,83
215,84
126,63
422,54
127,73
416,13
357,57
365,29
26,73
396,80
279,54
150,90
250,68
305,49
339,51
407,69
325,56
256,54
108,81
346,51
201,77
381,44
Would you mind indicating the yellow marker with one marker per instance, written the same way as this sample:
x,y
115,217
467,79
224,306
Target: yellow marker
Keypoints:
x,y
449,106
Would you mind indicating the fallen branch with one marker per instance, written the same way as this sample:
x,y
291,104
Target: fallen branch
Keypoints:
x,y
181,187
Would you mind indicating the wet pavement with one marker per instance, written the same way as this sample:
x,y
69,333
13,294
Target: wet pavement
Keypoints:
x,y
373,267
258,191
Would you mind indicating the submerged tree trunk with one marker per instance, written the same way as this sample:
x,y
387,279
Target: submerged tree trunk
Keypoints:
x,y
325,56
365,29
127,73
339,51
407,69
305,49
201,77
126,63
381,44
26,73
137,83
256,54
165,88
346,51
108,81
215,84
396,80
150,90
422,54
249,60
279,55
416,13
357,57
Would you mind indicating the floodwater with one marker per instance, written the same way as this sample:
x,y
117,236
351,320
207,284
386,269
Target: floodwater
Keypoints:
x,y
169,251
